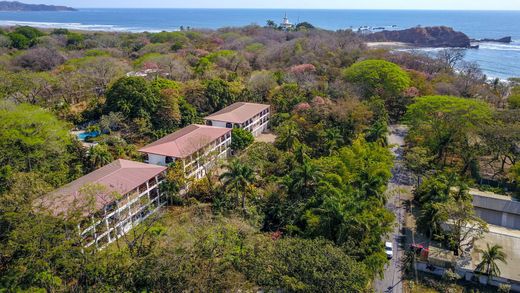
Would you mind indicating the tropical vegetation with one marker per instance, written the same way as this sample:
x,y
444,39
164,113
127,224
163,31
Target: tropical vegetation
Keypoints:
x,y
303,214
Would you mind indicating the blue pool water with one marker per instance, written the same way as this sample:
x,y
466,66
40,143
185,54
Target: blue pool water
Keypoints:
x,y
84,135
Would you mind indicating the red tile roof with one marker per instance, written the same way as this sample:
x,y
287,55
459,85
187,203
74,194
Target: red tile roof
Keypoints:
x,y
238,112
186,141
104,185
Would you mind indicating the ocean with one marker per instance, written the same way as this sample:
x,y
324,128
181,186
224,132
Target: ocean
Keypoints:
x,y
497,60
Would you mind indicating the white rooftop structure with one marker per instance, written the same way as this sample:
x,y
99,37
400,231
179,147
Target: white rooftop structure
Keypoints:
x,y
286,24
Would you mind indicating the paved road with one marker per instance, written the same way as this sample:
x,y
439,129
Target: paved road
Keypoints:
x,y
392,280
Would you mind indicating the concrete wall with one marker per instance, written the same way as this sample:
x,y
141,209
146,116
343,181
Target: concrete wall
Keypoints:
x,y
498,218
511,221
469,275
254,127
490,216
497,209
156,160
260,130
218,123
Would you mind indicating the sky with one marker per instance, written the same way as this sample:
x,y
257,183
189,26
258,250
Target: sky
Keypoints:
x,y
299,4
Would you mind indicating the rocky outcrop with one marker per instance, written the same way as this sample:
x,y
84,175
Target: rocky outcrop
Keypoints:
x,y
505,40
438,36
18,6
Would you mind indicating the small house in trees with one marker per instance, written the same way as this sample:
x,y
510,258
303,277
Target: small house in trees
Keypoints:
x,y
249,116
111,200
196,147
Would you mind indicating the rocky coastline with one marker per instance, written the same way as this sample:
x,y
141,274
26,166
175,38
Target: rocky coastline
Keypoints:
x,y
438,36
505,40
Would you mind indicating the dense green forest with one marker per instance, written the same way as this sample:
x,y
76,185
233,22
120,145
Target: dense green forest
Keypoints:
x,y
305,213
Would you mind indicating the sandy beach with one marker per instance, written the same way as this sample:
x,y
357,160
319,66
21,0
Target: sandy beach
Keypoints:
x,y
388,45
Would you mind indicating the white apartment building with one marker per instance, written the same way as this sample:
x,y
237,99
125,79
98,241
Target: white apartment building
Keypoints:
x,y
196,147
112,199
249,116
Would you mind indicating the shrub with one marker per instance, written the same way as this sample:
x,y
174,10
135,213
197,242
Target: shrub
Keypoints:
x,y
19,41
504,288
514,98
29,32
74,40
39,59
165,37
5,42
302,68
96,53
240,139
60,31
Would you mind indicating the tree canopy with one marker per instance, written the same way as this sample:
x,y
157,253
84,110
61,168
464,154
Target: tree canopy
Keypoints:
x,y
447,126
34,140
131,96
241,138
305,213
378,78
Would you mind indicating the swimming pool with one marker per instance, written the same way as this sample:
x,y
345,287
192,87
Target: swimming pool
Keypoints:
x,y
84,135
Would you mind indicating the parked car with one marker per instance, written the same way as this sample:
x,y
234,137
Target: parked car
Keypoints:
x,y
389,249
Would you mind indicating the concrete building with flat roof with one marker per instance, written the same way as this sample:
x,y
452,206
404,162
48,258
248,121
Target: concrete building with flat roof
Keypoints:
x,y
250,116
112,199
496,209
196,147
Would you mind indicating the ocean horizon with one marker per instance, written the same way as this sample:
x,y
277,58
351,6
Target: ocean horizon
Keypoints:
x,y
497,60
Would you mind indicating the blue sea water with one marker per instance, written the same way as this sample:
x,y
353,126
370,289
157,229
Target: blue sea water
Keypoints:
x,y
497,60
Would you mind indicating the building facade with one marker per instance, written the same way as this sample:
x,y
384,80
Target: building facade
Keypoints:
x,y
249,116
497,209
112,200
196,147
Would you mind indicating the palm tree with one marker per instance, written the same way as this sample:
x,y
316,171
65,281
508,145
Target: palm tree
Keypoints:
x,y
334,139
377,133
288,136
99,156
373,182
429,221
490,257
271,23
238,178
304,177
300,154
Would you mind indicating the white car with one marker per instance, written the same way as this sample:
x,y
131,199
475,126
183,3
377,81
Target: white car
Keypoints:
x,y
389,249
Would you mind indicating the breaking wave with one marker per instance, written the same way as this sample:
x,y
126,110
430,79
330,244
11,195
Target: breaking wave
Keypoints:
x,y
78,26
514,46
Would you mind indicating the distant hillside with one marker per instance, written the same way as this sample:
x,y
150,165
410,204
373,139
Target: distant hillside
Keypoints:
x,y
18,6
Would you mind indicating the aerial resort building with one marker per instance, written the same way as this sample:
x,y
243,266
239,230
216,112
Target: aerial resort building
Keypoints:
x,y
196,147
249,116
112,200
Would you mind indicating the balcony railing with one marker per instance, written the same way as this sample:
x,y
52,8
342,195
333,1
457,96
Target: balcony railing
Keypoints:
x,y
121,216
